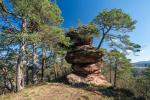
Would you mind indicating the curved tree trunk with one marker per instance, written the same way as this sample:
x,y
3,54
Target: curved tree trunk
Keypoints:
x,y
21,59
19,69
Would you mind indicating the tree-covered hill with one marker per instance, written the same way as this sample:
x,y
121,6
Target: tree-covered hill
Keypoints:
x,y
141,64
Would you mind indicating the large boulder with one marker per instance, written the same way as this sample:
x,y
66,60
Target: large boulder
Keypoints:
x,y
86,60
84,55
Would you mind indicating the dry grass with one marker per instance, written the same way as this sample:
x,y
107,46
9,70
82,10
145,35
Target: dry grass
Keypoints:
x,y
53,91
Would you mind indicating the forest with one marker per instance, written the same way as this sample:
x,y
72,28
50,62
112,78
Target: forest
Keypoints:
x,y
36,49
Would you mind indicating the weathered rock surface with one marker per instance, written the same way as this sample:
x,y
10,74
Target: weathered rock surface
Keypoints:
x,y
97,80
86,64
86,61
87,69
84,55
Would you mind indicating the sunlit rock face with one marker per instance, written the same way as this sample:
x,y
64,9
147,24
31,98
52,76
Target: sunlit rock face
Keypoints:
x,y
87,62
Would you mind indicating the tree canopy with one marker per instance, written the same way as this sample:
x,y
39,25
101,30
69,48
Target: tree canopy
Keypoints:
x,y
112,26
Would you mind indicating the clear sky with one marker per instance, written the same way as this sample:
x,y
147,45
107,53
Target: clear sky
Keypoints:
x,y
86,10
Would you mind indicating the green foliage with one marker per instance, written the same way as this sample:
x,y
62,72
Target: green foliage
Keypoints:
x,y
44,18
122,43
120,66
141,88
39,10
39,25
115,19
82,33
111,25
52,35
124,77
147,74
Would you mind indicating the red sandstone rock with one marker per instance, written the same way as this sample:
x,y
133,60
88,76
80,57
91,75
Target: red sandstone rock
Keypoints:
x,y
86,60
97,80
86,69
83,55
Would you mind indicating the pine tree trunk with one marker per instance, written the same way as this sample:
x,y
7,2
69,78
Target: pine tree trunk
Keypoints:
x,y
55,66
27,72
27,76
110,70
61,66
21,60
19,70
100,44
34,77
34,54
115,74
43,61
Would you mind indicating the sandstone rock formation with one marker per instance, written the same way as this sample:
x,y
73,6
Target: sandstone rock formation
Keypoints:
x,y
86,62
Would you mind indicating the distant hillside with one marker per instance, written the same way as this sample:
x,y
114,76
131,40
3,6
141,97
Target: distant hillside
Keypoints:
x,y
141,64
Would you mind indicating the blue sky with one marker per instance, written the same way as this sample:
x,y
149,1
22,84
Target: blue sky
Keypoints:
x,y
86,10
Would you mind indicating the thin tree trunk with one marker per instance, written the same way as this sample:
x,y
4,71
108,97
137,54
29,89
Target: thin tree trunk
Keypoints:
x,y
43,61
27,72
34,67
21,60
55,65
110,70
115,73
61,66
100,44
27,75
34,54
104,33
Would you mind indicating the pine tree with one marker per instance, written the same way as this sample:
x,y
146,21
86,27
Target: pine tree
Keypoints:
x,y
37,21
112,25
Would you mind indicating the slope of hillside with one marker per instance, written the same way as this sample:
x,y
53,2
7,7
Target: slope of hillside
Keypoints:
x,y
54,91
141,64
